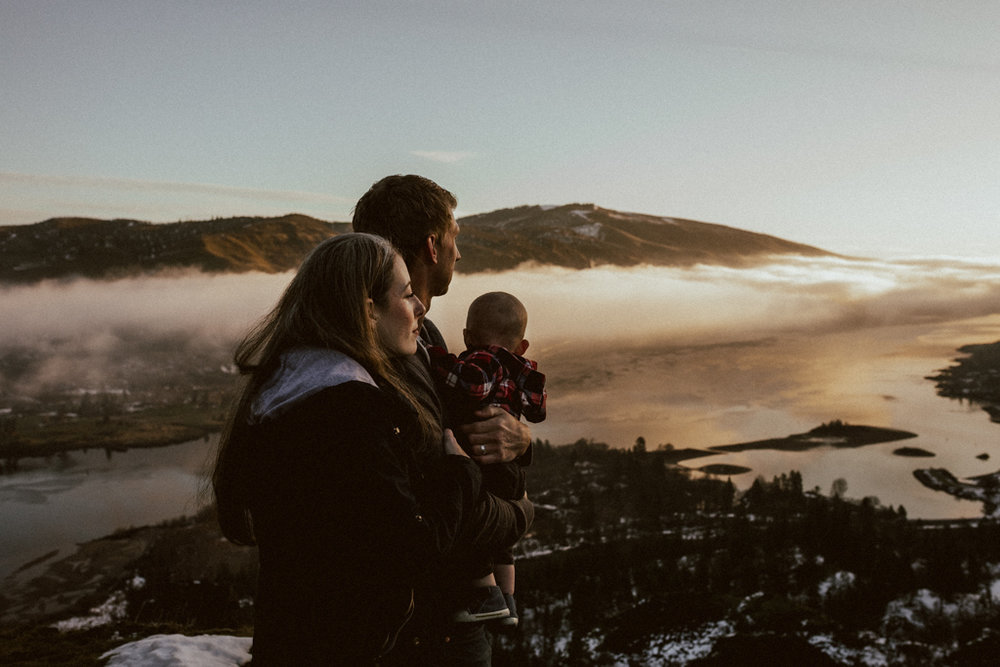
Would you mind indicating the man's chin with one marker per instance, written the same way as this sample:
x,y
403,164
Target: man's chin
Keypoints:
x,y
443,284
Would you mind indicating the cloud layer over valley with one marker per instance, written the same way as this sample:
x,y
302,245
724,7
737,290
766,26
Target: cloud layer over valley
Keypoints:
x,y
683,340
719,304
705,303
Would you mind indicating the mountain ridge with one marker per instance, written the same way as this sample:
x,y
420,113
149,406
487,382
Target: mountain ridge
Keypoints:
x,y
572,235
586,235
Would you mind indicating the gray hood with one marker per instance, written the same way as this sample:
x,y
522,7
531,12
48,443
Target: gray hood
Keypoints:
x,y
304,372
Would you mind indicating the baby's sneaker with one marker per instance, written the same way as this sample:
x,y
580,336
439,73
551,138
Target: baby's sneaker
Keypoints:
x,y
487,603
509,621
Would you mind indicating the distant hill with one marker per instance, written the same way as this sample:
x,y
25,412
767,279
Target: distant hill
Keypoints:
x,y
575,236
585,235
66,247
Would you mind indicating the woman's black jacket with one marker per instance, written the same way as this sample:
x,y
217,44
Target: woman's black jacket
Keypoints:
x,y
346,516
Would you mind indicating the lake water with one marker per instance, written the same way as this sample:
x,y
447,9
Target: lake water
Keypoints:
x,y
703,396
52,504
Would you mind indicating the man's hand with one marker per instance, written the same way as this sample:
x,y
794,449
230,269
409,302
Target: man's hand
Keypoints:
x,y
498,436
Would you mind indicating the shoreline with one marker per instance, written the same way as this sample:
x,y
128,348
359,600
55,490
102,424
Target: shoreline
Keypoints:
x,y
10,457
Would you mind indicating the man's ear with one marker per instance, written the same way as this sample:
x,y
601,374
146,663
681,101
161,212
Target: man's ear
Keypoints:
x,y
467,338
522,347
430,245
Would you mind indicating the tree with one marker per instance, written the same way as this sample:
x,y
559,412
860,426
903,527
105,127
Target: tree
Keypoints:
x,y
727,493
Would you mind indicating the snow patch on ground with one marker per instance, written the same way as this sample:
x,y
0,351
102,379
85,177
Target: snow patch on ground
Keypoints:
x,y
912,612
839,582
592,230
113,609
871,655
683,647
177,650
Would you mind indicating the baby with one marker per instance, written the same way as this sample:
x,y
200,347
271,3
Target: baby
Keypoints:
x,y
492,371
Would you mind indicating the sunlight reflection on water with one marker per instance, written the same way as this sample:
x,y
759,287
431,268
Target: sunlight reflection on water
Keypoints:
x,y
717,395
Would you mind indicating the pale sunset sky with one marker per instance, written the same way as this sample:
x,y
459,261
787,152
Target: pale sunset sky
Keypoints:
x,y
863,127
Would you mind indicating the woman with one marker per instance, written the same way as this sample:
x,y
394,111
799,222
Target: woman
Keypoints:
x,y
331,467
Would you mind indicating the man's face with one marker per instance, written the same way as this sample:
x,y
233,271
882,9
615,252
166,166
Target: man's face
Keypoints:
x,y
448,254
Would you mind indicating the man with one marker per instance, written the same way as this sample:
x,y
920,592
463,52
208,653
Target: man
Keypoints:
x,y
417,215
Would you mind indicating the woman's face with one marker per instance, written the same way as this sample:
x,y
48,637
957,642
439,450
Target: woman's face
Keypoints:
x,y
397,319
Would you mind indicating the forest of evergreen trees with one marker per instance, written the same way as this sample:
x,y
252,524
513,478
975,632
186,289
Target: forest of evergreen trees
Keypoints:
x,y
660,551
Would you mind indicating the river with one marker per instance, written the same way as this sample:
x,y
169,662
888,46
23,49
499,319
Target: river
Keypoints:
x,y
52,504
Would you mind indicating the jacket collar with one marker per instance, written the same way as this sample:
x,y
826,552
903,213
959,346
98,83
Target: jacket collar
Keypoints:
x,y
304,372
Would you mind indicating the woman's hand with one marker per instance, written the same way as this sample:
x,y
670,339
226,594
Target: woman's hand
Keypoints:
x,y
451,445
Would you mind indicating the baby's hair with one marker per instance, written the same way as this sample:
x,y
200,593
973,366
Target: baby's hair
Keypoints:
x,y
496,318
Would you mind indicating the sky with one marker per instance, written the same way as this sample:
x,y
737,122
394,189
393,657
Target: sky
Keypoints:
x,y
868,127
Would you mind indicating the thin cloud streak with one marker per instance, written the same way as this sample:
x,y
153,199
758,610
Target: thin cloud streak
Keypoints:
x,y
124,184
446,157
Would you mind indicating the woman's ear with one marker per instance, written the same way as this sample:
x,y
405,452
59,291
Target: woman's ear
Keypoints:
x,y
372,313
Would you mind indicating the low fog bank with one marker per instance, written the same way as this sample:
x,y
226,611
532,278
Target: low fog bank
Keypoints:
x,y
193,304
713,304
644,318
106,336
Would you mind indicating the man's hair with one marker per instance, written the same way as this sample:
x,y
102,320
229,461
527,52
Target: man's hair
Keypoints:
x,y
496,318
405,210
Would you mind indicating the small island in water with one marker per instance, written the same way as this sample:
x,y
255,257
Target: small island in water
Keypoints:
x,y
836,433
914,452
832,434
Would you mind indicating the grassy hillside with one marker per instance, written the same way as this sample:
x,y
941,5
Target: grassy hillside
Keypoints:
x,y
574,236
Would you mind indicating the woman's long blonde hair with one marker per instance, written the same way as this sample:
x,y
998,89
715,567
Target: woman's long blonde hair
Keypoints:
x,y
325,306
